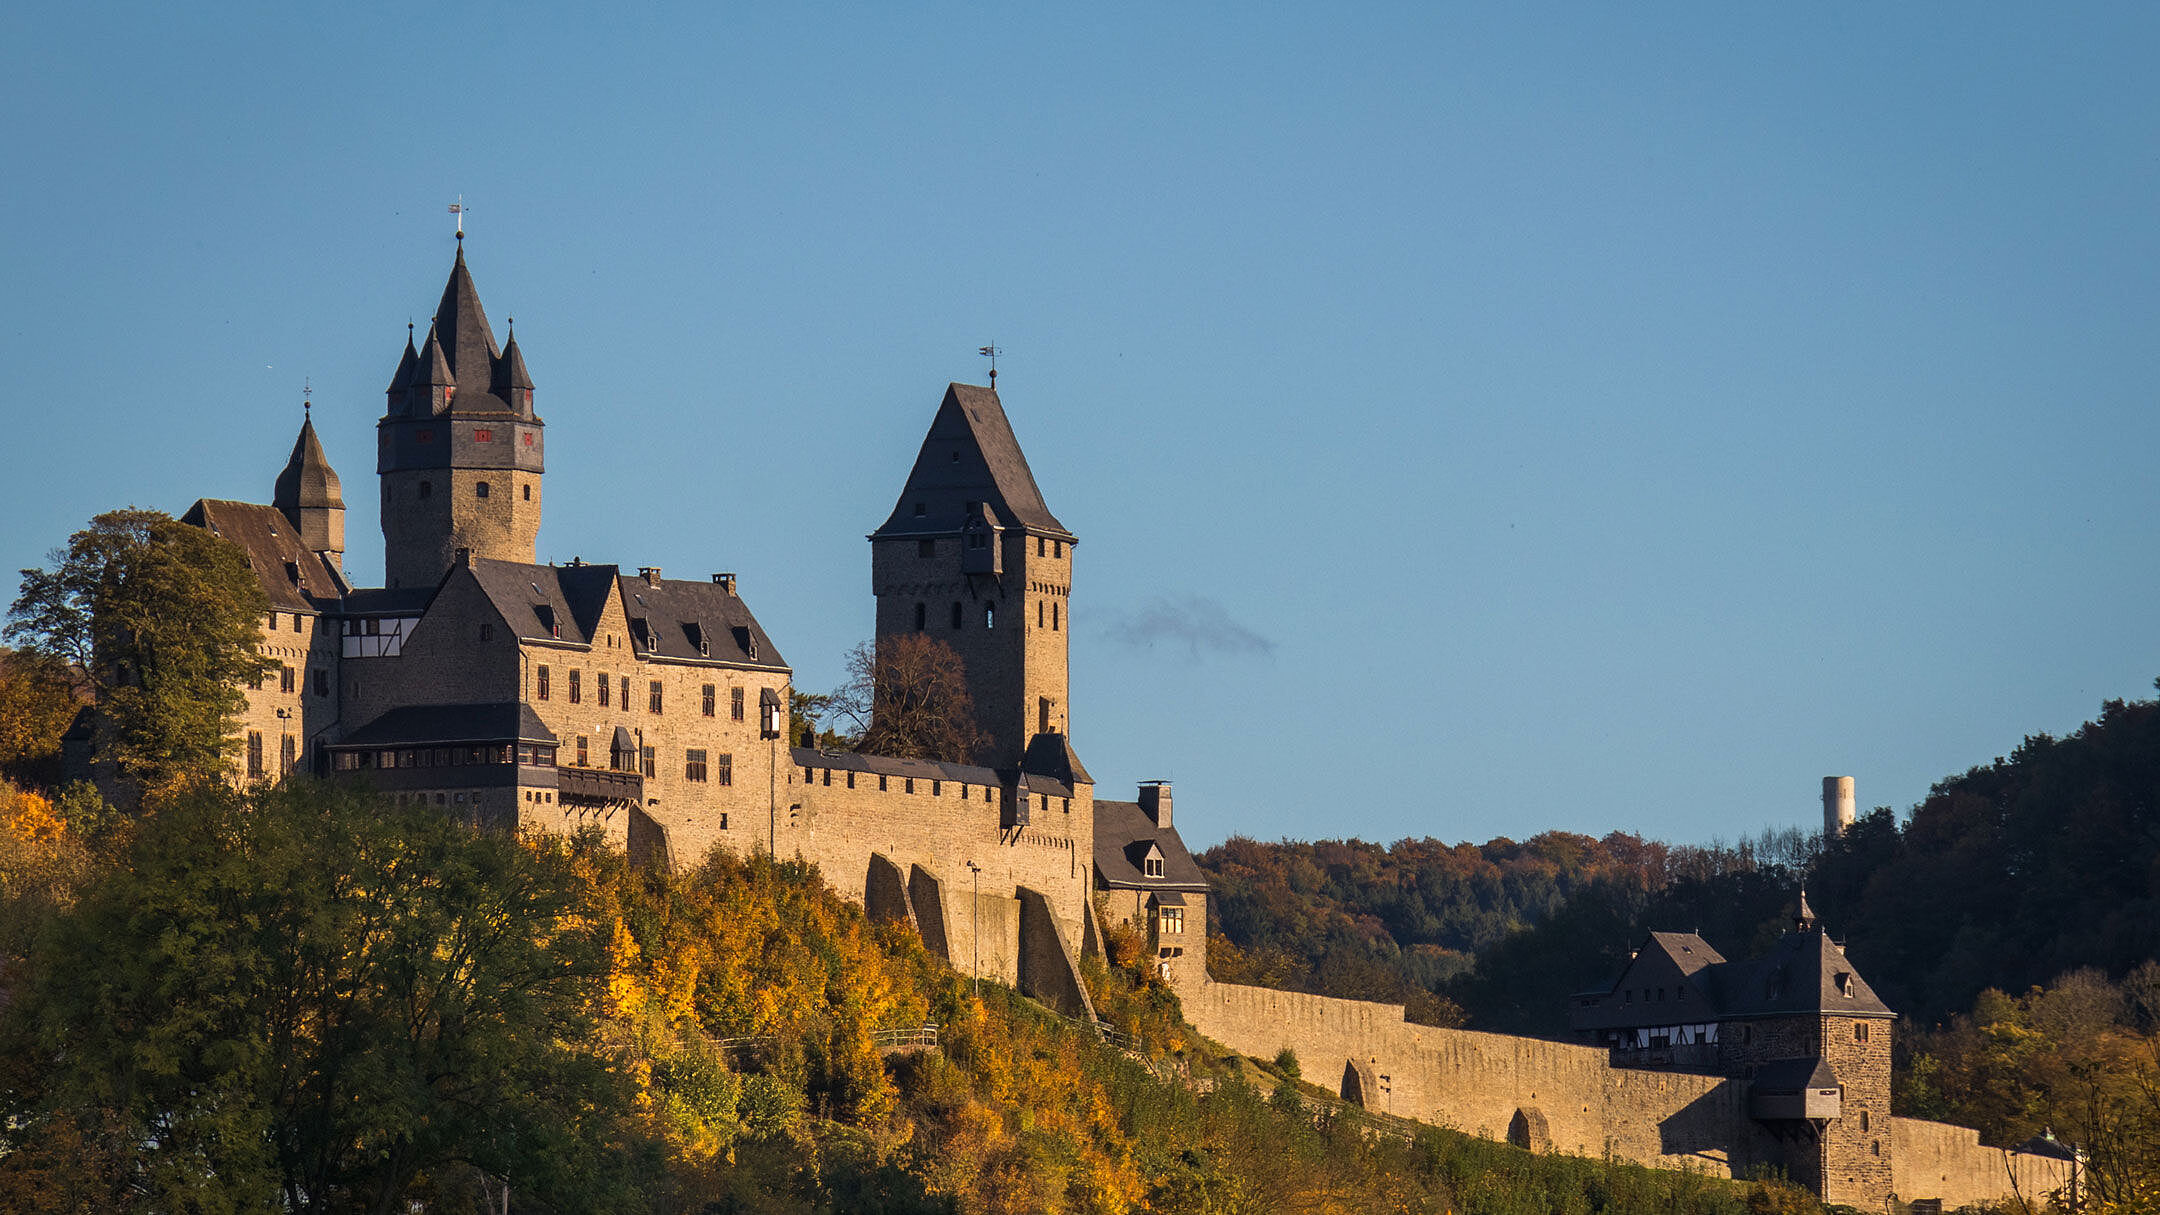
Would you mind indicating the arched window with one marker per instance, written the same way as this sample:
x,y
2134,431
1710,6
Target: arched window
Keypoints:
x,y
921,618
1053,616
480,489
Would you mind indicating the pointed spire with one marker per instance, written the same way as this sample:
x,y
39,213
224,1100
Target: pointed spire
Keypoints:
x,y
407,364
1804,919
308,480
511,368
432,369
468,343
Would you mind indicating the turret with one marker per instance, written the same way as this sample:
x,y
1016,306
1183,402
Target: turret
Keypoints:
x,y
309,495
459,448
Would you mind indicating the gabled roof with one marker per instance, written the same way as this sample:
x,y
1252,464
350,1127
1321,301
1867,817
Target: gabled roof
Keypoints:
x,y
574,596
500,721
970,455
308,481
659,610
1800,975
1806,973
294,579
1123,833
467,339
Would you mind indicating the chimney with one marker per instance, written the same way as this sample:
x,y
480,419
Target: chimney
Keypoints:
x,y
1837,806
726,583
1155,800
650,573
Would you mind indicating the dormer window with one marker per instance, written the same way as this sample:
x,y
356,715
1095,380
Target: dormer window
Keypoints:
x,y
1154,867
547,619
1845,984
921,510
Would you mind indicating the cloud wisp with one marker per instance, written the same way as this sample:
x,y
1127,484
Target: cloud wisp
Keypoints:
x,y
1197,625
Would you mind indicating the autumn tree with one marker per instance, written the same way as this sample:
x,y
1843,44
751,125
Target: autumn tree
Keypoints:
x,y
163,619
908,693
310,999
39,697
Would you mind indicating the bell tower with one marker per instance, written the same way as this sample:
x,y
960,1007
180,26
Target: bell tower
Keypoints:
x,y
973,557
459,448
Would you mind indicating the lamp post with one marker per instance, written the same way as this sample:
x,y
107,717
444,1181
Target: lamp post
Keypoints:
x,y
976,932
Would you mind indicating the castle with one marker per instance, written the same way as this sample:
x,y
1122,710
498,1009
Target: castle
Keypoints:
x,y
558,697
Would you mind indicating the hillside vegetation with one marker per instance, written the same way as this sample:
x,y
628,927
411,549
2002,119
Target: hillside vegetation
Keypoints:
x,y
310,1000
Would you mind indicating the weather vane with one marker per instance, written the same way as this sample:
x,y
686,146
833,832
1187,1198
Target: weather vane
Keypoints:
x,y
459,209
991,352
307,393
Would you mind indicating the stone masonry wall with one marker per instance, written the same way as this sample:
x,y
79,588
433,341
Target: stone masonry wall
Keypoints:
x,y
1936,1160
1858,1150
299,643
941,828
1477,1082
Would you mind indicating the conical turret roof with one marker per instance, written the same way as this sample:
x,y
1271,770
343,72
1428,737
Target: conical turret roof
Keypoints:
x,y
308,481
510,370
467,341
407,364
433,369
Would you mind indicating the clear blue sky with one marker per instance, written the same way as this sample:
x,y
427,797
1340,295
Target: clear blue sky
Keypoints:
x,y
1477,419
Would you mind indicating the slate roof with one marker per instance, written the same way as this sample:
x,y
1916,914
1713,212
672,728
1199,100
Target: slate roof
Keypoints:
x,y
892,765
970,455
389,601
294,579
1052,755
501,721
1800,975
467,339
564,603
1119,827
677,614
1793,1076
308,480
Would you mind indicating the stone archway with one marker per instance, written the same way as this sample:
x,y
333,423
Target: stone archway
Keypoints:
x,y
1527,1130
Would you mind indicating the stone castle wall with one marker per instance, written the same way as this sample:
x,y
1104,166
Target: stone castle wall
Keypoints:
x,y
1565,1098
1937,1160
921,835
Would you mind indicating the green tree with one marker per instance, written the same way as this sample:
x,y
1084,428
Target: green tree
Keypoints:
x,y
164,620
313,1000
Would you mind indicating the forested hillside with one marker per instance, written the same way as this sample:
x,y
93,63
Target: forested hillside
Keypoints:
x,y
312,1000
2042,862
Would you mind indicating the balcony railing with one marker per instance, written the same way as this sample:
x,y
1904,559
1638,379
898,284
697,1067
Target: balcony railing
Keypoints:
x,y
599,786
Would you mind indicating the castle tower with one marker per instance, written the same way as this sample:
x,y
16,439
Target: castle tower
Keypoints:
x,y
459,447
307,493
973,557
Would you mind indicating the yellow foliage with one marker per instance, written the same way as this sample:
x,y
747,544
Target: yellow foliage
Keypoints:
x,y
31,820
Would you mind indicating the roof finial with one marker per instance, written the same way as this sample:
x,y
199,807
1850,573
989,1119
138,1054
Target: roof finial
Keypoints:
x,y
991,352
458,209
307,393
